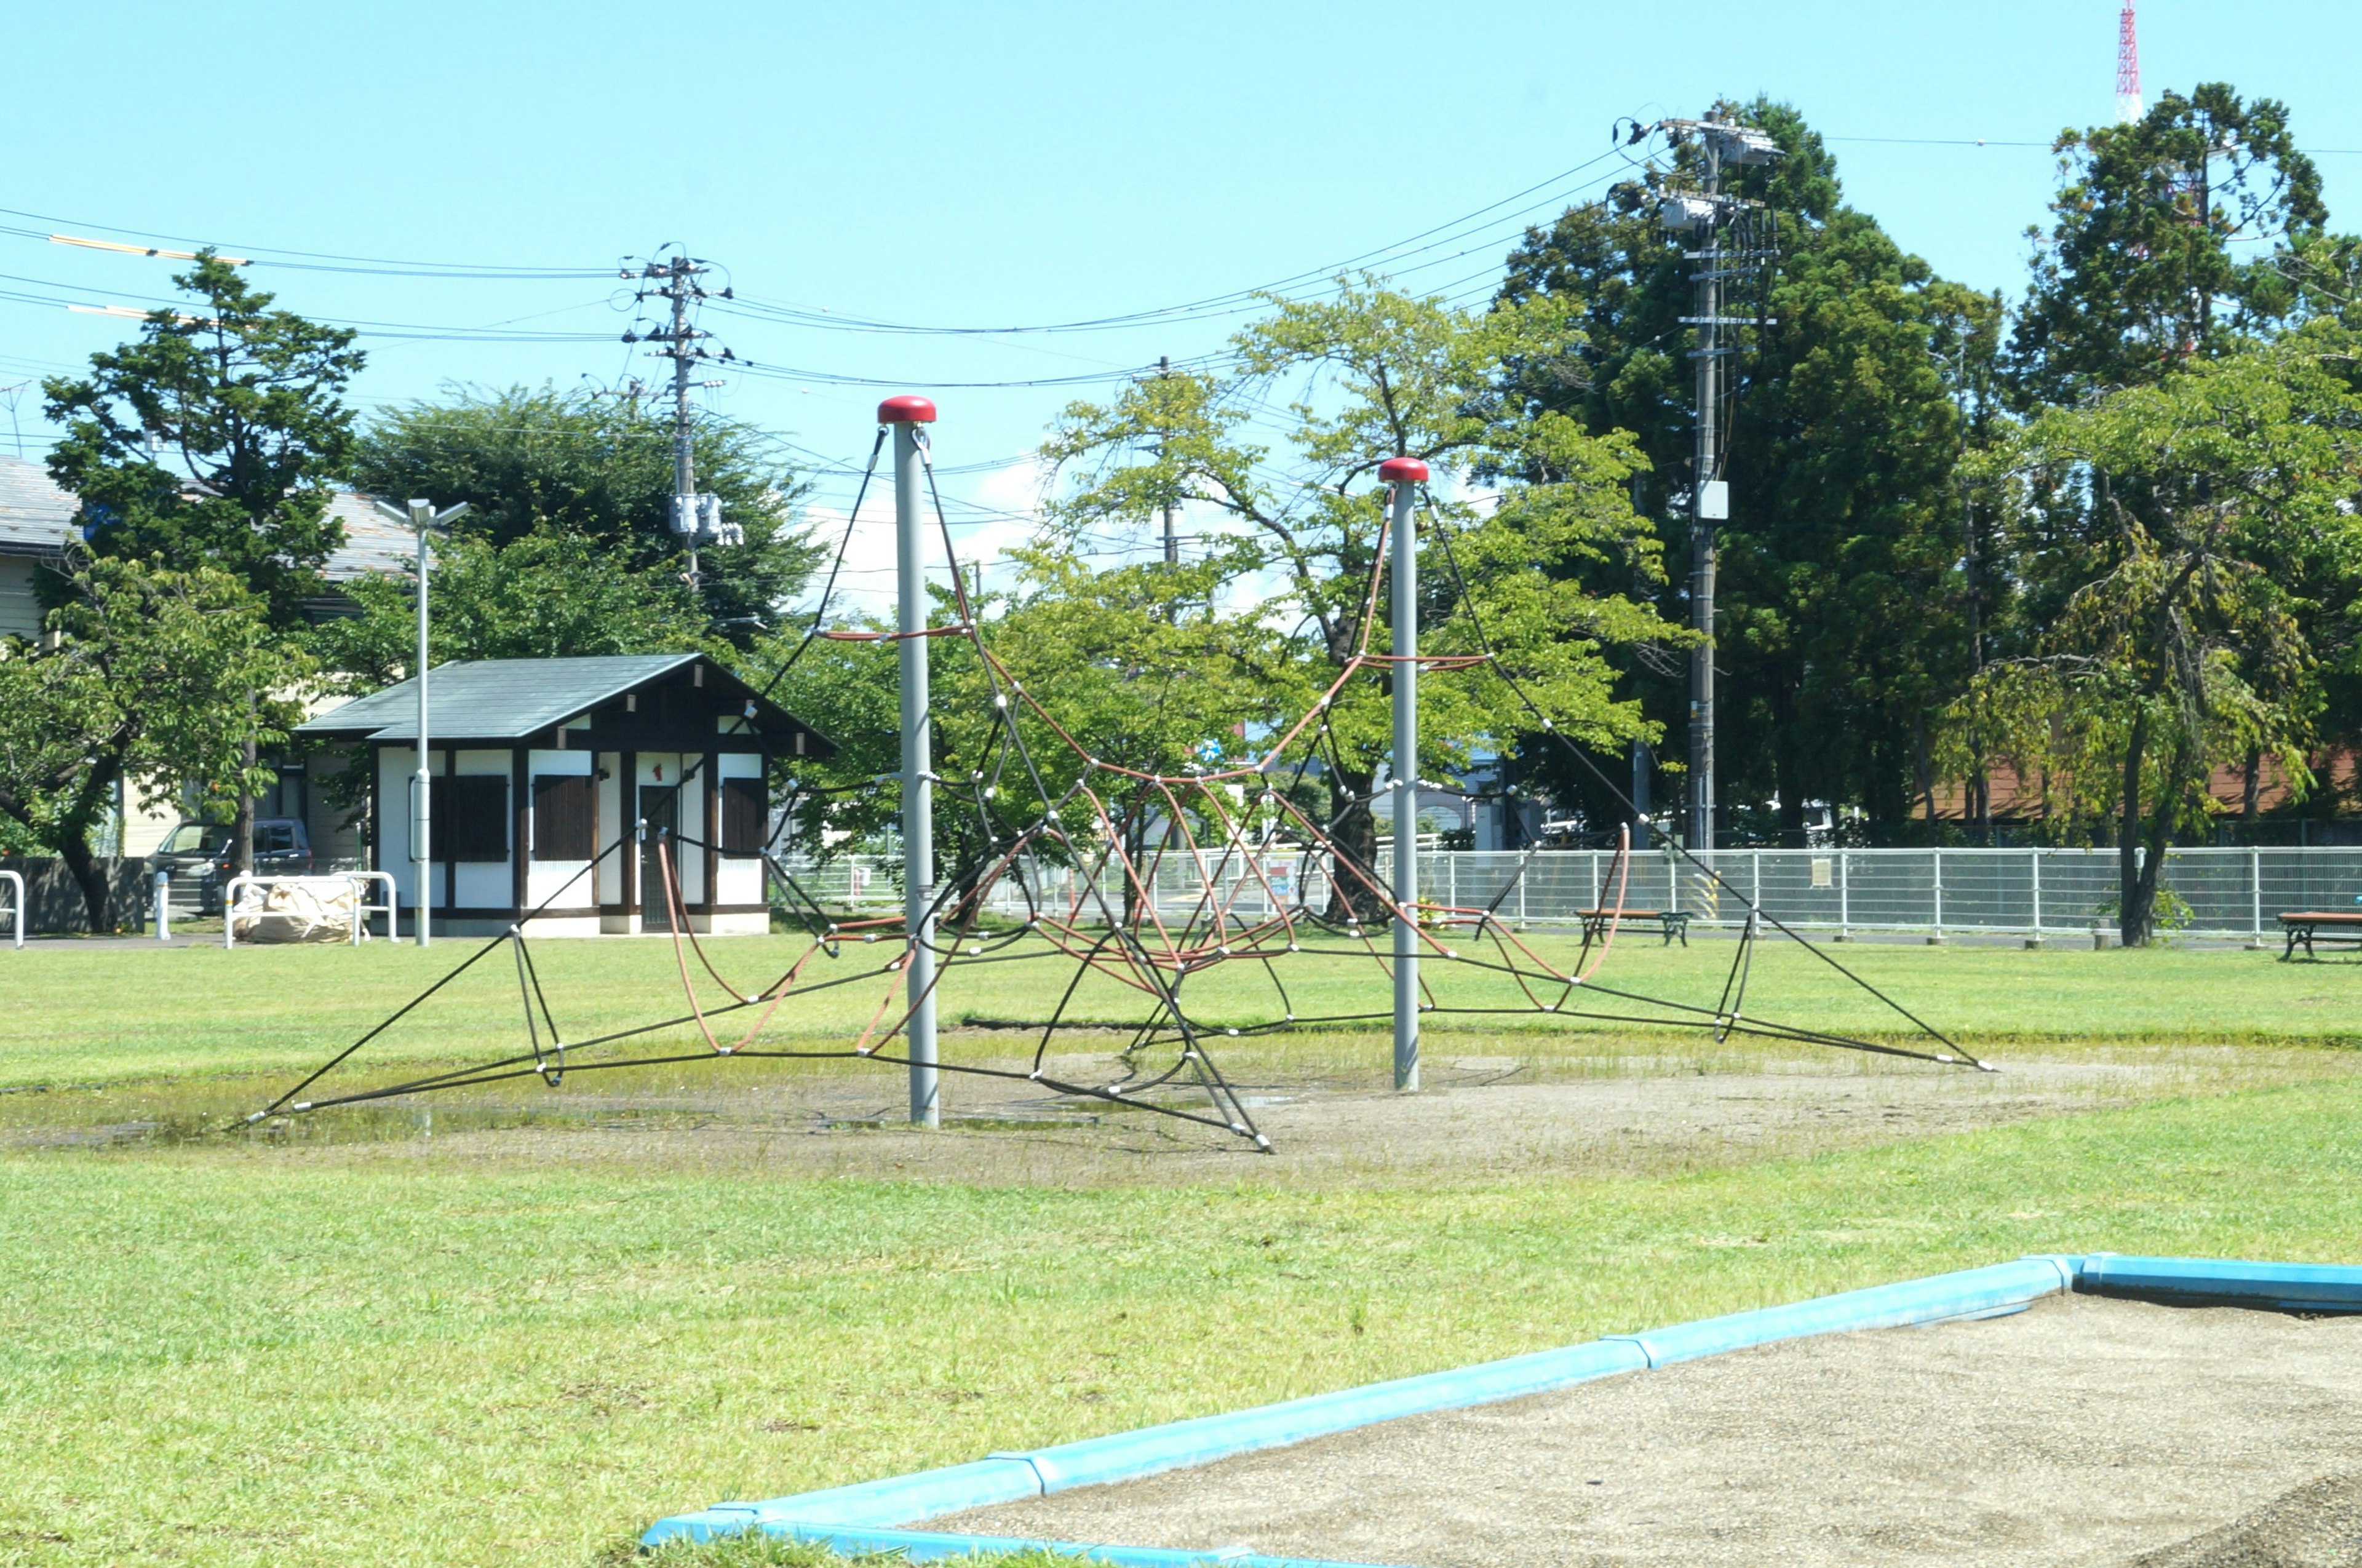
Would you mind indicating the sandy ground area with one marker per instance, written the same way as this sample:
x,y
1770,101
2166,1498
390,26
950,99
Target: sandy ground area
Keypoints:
x,y
1479,1116
2081,1431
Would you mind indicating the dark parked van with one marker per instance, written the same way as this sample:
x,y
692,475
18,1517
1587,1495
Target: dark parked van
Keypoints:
x,y
198,856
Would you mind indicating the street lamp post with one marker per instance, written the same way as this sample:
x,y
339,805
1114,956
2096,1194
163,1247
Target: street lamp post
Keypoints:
x,y
422,517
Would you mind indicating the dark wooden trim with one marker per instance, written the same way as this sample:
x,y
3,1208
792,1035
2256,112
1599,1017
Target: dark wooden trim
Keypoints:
x,y
520,821
487,912
649,737
694,909
450,868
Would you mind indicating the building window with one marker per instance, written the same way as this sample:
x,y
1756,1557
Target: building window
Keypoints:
x,y
561,816
746,803
471,817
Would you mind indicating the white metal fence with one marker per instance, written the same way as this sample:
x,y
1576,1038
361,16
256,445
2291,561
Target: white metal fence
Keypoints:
x,y
2206,892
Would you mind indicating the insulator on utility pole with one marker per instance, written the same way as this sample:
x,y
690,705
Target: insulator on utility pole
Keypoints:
x,y
695,519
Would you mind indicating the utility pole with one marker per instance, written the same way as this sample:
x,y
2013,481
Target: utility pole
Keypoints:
x,y
1163,452
696,519
1708,213
1404,475
905,415
1709,504
421,516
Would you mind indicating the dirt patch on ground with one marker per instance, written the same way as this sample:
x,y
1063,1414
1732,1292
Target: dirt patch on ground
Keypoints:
x,y
2083,1432
2316,1526
1480,1117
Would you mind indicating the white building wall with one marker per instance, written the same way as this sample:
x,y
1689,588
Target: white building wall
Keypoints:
x,y
395,765
614,823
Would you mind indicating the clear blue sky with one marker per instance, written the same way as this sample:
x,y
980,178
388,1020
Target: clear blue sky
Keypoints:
x,y
984,165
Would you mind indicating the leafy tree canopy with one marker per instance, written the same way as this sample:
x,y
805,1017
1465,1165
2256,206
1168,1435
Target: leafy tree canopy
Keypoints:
x,y
161,678
2157,529
546,595
597,471
213,440
2142,270
1369,374
1843,612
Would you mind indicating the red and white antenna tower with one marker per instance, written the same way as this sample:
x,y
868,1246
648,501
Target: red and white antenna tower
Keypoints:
x,y
2129,106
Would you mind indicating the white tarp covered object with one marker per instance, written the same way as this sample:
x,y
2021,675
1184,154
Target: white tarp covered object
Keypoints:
x,y
296,908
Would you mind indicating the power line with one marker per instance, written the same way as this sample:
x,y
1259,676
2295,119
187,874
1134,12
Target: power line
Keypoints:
x,y
1228,303
310,260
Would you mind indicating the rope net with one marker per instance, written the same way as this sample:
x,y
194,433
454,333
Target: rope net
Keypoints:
x,y
1046,877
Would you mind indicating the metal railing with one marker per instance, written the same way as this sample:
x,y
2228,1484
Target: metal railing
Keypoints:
x,y
2217,893
14,882
359,882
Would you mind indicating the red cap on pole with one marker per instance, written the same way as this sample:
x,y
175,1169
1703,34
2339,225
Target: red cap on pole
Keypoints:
x,y
907,410
1403,470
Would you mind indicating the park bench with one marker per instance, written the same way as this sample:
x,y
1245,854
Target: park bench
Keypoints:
x,y
1671,923
2331,926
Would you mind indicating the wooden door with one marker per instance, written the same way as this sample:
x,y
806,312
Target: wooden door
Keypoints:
x,y
660,808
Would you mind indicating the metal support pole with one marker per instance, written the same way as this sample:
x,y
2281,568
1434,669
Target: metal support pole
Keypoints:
x,y
1845,896
422,785
905,415
163,906
2255,897
2036,878
421,518
1405,475
1936,939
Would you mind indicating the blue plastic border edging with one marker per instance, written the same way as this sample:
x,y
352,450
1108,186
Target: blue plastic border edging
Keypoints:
x,y
2288,1287
857,1517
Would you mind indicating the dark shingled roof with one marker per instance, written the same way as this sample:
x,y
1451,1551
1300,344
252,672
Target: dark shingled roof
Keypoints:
x,y
516,698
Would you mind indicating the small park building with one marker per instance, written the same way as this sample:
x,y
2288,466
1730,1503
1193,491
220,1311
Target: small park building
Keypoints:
x,y
544,770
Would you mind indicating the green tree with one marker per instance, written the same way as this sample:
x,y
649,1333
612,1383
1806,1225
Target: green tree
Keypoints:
x,y
153,681
1136,662
595,471
2163,635
545,595
213,442
2142,270
1844,607
1372,373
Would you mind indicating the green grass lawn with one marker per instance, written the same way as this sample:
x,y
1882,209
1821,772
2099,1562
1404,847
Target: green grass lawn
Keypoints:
x,y
84,1015
238,1357
415,1353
